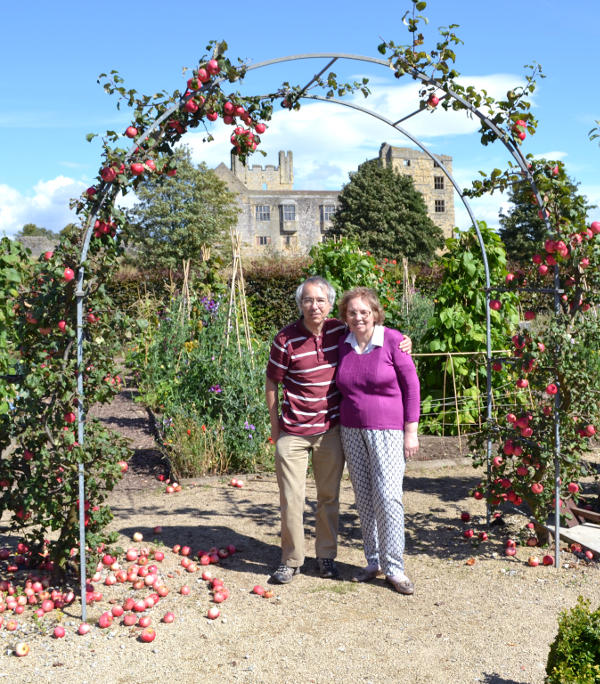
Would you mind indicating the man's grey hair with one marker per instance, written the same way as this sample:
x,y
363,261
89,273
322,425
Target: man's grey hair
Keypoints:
x,y
322,283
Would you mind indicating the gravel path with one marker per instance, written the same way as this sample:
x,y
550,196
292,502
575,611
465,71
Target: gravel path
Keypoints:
x,y
476,615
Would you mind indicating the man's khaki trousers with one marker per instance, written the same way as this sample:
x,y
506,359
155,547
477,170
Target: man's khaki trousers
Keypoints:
x,y
291,462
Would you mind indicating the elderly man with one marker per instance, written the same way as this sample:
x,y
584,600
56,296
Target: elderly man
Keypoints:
x,y
303,359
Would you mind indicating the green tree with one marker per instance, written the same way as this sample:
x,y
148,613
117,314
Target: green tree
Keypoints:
x,y
31,230
386,215
176,216
522,228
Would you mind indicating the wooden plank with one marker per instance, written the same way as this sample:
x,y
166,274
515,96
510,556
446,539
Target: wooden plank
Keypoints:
x,y
587,534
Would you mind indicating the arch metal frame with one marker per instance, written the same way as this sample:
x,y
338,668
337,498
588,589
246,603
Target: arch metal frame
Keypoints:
x,y
416,75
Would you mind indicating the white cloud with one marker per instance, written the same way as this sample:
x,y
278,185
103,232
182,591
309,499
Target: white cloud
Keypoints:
x,y
329,140
592,193
47,206
553,155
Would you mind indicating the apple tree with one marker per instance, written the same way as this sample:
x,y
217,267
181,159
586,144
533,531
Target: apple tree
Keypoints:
x,y
67,329
555,367
522,228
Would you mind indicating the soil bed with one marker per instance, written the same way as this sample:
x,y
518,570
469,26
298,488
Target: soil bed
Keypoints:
x,y
476,615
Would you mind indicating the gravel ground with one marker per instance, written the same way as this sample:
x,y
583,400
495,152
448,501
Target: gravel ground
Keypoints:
x,y
476,615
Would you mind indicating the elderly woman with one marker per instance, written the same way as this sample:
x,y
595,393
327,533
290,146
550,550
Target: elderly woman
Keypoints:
x,y
379,417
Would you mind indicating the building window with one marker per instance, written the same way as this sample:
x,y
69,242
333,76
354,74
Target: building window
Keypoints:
x,y
406,162
436,165
440,206
327,211
438,182
263,212
288,212
263,240
291,241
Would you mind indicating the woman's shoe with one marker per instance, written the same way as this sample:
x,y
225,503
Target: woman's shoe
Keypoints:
x,y
367,574
401,584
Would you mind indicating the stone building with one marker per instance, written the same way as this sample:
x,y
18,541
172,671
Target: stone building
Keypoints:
x,y
277,219
428,179
274,217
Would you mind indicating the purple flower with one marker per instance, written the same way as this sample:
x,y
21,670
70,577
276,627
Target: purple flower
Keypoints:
x,y
216,389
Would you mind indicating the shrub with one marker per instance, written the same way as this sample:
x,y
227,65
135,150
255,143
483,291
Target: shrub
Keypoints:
x,y
574,656
270,288
210,396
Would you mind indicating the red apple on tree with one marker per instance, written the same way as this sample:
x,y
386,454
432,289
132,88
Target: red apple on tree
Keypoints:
x,y
213,68
131,131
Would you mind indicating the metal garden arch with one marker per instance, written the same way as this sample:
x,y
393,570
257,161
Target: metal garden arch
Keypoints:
x,y
425,80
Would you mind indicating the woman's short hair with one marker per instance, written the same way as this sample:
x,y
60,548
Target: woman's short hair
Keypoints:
x,y
369,296
322,283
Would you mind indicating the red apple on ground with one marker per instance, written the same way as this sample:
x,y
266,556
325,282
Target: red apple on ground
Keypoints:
x,y
83,628
59,632
510,551
548,560
129,619
148,635
21,649
258,590
213,613
589,555
105,620
144,621
533,561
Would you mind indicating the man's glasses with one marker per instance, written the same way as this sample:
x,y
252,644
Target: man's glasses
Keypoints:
x,y
321,302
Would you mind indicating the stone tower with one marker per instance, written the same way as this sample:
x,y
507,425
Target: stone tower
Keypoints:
x,y
268,177
428,179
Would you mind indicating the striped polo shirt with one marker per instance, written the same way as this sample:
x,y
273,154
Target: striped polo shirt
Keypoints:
x,y
305,365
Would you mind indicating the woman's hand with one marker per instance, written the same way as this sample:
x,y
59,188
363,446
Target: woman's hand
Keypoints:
x,y
411,440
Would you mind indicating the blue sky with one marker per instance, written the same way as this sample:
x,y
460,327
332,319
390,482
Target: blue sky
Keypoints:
x,y
52,53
